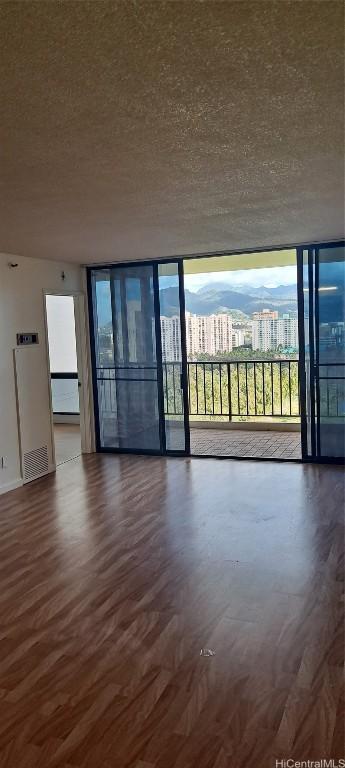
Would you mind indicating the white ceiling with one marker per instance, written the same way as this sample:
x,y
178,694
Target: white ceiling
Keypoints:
x,y
146,129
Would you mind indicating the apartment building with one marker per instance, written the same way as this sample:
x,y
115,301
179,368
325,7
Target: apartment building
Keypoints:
x,y
171,338
266,314
238,337
208,333
273,332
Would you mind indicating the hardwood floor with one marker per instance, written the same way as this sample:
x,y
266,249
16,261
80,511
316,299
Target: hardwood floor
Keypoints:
x,y
118,571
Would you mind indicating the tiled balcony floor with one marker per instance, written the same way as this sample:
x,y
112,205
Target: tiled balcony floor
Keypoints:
x,y
246,443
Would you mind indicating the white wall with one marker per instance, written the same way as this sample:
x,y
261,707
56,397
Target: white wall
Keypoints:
x,y
22,309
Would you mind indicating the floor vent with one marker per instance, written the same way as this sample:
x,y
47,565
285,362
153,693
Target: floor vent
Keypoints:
x,y
35,463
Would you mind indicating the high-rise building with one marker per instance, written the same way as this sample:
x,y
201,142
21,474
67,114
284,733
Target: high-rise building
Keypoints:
x,y
266,314
271,333
205,333
238,337
212,334
287,333
171,339
208,333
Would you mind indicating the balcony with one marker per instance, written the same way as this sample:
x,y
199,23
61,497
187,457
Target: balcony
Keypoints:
x,y
238,408
244,408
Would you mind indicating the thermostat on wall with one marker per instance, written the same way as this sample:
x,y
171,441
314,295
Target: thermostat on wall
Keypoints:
x,y
27,338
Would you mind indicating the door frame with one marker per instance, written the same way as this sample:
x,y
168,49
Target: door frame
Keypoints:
x,y
299,249
312,289
184,368
162,451
159,359
184,374
82,348
302,373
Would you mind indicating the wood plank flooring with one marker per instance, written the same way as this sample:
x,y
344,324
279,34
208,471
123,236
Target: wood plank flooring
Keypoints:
x,y
118,571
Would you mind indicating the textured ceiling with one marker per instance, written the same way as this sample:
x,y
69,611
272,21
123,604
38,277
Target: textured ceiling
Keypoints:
x,y
145,129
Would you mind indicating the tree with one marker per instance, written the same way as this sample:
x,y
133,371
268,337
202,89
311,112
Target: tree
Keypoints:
x,y
240,388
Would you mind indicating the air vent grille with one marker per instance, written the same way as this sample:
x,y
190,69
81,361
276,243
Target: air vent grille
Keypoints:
x,y
35,463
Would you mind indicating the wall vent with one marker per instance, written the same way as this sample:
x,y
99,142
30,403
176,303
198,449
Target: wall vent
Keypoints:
x,y
35,463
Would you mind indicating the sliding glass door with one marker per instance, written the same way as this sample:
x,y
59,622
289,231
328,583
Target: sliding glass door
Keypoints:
x,y
322,334
126,359
129,372
174,357
140,362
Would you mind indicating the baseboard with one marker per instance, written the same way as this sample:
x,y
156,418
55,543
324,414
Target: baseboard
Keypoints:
x,y
11,486
20,482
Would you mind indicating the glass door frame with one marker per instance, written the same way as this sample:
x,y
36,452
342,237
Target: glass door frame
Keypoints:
x,y
154,264
184,366
309,378
301,251
184,374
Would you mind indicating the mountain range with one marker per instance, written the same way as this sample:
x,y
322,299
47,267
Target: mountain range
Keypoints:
x,y
218,297
261,292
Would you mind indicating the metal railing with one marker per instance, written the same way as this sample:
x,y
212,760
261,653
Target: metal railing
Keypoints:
x,y
243,388
228,389
331,387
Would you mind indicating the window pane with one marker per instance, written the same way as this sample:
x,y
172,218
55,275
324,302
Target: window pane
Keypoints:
x,y
126,358
331,299
61,334
172,357
65,395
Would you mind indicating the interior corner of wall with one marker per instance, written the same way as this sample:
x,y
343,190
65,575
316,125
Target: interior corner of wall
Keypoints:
x,y
11,486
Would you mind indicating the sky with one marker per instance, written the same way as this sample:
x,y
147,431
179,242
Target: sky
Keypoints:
x,y
270,277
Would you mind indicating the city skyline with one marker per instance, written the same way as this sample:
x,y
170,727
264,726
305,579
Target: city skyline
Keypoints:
x,y
247,280
265,331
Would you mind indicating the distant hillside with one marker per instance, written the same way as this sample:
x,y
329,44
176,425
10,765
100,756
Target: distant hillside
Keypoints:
x,y
288,292
215,300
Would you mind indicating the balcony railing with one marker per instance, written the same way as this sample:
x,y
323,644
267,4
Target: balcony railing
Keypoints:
x,y
235,389
223,390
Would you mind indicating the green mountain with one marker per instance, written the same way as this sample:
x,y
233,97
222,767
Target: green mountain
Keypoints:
x,y
215,300
261,292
